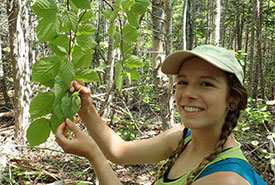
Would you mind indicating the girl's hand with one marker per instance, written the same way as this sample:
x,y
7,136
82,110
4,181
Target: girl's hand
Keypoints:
x,y
85,95
79,143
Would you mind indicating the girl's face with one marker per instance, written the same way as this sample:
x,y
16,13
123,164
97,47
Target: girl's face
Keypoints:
x,y
201,95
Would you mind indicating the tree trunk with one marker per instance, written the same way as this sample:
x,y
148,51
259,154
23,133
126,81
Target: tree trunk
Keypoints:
x,y
190,25
252,47
158,57
259,18
209,22
216,25
184,23
169,50
19,55
238,25
223,19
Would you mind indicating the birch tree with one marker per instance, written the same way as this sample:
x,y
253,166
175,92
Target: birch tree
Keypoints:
x,y
184,22
169,50
216,26
19,55
158,57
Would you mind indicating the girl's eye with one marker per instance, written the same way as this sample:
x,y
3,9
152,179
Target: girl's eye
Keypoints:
x,y
182,83
207,84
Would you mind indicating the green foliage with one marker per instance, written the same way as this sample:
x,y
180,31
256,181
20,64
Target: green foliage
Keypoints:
x,y
257,119
20,175
125,36
69,38
128,133
65,27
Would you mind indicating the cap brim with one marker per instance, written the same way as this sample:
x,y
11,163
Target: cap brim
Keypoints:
x,y
173,62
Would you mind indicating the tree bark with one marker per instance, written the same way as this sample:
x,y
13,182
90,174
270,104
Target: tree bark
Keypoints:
x,y
238,25
169,50
184,23
209,22
252,47
158,57
19,55
223,19
216,25
259,18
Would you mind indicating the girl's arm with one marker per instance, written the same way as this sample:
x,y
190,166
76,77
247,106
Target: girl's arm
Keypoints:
x,y
83,145
114,147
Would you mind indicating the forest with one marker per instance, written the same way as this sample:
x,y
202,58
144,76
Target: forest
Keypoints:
x,y
116,47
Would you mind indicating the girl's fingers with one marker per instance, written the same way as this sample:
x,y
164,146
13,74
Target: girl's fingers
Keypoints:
x,y
72,126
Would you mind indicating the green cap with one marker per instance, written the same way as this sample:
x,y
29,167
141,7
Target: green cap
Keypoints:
x,y
219,57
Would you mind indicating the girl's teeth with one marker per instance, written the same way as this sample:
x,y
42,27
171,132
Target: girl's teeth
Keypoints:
x,y
192,109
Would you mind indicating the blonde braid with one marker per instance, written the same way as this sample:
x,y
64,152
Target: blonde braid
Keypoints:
x,y
226,131
172,159
236,90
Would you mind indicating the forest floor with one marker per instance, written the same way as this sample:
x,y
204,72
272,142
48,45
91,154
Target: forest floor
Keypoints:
x,y
48,164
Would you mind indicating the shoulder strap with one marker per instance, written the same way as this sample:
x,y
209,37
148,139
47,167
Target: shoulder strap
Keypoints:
x,y
238,166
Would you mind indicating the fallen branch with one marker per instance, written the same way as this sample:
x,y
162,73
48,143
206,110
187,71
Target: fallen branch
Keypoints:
x,y
7,114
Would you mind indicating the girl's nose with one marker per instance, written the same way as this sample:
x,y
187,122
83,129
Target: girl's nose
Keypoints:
x,y
190,92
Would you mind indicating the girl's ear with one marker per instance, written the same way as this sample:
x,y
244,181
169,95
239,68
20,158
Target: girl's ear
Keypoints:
x,y
233,103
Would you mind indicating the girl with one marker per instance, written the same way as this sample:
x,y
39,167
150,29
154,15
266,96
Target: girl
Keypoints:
x,y
202,151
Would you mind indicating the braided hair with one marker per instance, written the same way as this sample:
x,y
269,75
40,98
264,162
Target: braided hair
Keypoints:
x,y
235,89
172,159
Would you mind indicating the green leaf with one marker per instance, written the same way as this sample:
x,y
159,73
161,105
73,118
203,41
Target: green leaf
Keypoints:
x,y
140,7
69,20
70,104
45,71
132,18
82,4
131,33
78,61
107,14
114,14
87,15
42,104
55,122
127,4
133,61
86,41
87,75
262,107
60,90
86,56
38,132
127,48
86,29
117,40
60,45
44,8
112,29
133,73
67,73
47,29
119,75
255,143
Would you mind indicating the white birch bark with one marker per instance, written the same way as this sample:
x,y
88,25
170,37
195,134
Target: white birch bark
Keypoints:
x,y
21,68
217,20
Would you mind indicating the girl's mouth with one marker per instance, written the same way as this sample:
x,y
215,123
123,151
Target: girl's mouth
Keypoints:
x,y
192,109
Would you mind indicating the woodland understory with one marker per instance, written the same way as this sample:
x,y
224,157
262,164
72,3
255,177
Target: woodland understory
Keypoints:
x,y
48,164
117,48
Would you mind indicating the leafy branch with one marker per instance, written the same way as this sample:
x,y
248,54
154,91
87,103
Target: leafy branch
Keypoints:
x,y
66,29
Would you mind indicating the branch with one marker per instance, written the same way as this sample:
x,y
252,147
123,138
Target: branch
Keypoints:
x,y
108,4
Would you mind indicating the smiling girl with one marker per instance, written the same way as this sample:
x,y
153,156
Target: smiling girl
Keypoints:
x,y
202,151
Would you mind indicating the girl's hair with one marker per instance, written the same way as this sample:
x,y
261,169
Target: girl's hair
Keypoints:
x,y
235,90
